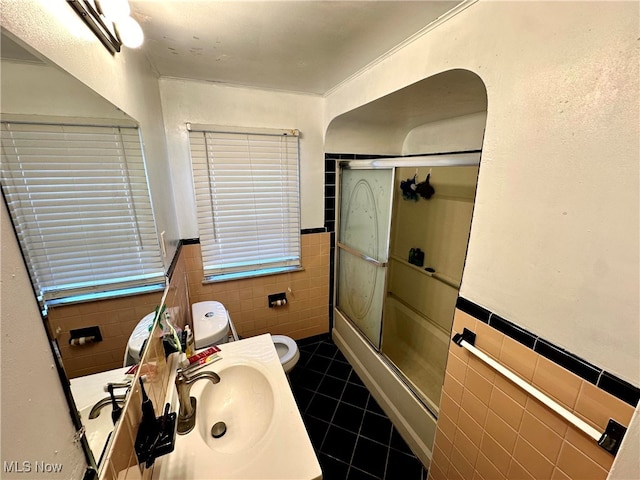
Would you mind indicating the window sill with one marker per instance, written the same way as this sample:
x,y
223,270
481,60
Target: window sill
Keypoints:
x,y
263,272
92,297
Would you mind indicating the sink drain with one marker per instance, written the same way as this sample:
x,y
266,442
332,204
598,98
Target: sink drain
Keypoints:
x,y
218,429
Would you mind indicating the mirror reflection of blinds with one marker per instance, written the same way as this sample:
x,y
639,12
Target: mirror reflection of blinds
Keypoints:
x,y
79,199
247,198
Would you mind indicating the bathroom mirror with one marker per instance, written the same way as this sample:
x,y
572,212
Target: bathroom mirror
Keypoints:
x,y
91,333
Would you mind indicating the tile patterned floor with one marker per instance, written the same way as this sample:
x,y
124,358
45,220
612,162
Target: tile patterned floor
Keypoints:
x,y
352,436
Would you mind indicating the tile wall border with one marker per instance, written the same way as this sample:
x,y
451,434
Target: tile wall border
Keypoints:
x,y
604,380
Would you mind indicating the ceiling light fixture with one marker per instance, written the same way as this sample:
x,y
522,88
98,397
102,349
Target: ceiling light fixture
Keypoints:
x,y
114,10
130,32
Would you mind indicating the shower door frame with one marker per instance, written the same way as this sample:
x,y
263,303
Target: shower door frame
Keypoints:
x,y
461,159
360,165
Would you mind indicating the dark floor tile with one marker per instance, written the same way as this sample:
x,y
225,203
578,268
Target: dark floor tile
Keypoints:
x,y
370,456
340,356
357,474
374,407
326,349
376,427
398,443
401,465
355,395
332,469
339,370
348,417
339,443
303,396
322,407
307,379
304,358
332,387
317,430
354,378
318,363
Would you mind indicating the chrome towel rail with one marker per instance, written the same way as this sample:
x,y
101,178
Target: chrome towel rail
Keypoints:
x,y
609,440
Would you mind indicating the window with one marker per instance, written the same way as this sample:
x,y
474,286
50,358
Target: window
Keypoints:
x,y
247,197
79,200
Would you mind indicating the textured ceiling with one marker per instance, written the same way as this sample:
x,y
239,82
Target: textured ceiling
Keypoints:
x,y
302,46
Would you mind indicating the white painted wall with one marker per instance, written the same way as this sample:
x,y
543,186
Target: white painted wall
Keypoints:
x,y
555,236
36,426
218,104
39,89
450,135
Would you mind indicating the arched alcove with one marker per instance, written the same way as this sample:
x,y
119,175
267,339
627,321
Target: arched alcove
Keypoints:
x,y
444,112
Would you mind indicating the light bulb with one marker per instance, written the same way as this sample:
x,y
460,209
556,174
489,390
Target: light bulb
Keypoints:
x,y
130,32
115,10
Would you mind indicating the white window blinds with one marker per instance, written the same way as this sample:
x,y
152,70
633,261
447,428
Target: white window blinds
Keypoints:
x,y
79,200
247,197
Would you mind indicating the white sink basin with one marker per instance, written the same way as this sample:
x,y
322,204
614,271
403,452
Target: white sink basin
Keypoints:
x,y
97,430
244,400
265,438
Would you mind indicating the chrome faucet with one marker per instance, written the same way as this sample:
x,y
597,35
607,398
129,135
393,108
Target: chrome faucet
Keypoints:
x,y
95,410
187,412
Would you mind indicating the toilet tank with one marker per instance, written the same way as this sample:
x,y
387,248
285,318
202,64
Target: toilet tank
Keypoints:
x,y
210,323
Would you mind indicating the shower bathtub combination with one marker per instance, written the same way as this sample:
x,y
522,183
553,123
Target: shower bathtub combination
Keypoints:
x,y
393,313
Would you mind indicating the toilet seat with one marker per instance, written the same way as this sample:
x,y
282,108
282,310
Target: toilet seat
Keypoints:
x,y
290,356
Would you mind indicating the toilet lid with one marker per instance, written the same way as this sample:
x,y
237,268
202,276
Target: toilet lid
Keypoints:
x,y
139,335
289,343
210,323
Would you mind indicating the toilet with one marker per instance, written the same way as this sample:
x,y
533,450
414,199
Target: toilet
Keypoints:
x,y
288,352
137,339
211,327
210,324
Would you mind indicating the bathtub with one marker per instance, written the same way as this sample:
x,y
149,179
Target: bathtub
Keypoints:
x,y
417,346
409,414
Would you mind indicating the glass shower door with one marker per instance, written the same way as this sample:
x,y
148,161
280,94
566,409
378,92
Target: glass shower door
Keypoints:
x,y
363,247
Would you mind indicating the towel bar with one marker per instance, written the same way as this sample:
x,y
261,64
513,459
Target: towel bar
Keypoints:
x,y
609,440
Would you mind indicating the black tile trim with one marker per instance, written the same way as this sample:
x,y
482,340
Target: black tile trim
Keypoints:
x,y
307,231
606,381
474,310
190,241
521,335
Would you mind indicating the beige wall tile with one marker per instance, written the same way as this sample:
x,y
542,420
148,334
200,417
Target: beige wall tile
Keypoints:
x,y
541,437
598,406
559,475
447,425
547,416
557,382
488,339
531,459
498,456
461,465
578,466
518,358
462,320
453,388
474,407
517,472
500,431
478,385
487,469
506,408
471,428
588,447
466,447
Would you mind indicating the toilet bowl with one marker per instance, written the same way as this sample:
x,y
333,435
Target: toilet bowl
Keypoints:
x,y
287,351
137,339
